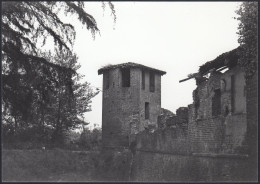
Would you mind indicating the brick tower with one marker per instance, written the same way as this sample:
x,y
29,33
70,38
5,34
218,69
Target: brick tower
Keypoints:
x,y
131,101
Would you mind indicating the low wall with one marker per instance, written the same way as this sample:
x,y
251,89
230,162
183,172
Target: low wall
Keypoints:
x,y
176,168
172,140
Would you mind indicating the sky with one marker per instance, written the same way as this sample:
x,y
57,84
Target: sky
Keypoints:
x,y
176,37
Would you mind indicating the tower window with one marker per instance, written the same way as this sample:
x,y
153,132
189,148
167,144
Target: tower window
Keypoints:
x,y
143,79
147,109
152,82
125,77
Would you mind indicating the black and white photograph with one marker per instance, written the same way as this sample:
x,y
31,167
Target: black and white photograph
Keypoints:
x,y
129,91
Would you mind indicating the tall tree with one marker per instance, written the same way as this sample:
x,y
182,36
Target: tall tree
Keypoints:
x,y
69,102
38,88
248,37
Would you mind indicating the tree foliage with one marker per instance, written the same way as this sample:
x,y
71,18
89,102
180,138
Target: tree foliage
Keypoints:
x,y
248,37
25,23
42,89
91,139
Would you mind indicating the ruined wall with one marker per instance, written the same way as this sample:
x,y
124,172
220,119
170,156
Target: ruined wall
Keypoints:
x,y
119,104
168,119
183,117
233,95
154,99
205,93
225,131
170,137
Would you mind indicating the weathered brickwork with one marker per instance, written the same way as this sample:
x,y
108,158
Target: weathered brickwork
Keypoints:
x,y
224,132
123,107
221,120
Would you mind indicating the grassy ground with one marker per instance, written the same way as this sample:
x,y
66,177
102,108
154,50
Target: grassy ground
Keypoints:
x,y
62,165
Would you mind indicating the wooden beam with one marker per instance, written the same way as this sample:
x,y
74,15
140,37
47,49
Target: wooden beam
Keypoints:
x,y
186,79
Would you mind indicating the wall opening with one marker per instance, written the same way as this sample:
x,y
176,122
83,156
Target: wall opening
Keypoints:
x,y
125,77
143,79
147,109
152,82
216,103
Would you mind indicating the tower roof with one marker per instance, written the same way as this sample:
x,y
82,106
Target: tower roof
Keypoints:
x,y
129,65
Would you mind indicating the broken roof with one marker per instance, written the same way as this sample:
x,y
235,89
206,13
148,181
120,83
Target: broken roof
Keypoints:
x,y
228,59
129,65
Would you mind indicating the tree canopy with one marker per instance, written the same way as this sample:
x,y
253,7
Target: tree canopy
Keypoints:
x,y
248,37
43,89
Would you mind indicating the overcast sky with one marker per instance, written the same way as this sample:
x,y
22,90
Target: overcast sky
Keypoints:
x,y
176,37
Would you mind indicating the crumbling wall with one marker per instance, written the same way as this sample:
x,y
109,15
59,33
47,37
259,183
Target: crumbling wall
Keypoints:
x,y
169,119
183,117
163,117
171,137
224,131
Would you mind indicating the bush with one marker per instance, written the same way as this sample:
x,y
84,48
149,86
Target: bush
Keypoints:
x,y
91,140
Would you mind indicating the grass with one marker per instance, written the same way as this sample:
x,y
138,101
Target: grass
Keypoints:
x,y
63,165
